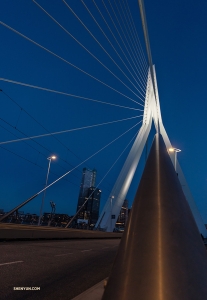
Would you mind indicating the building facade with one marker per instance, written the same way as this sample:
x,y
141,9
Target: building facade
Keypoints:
x,y
92,208
88,180
123,216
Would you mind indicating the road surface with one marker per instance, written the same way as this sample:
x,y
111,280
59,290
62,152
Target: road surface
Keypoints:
x,y
61,269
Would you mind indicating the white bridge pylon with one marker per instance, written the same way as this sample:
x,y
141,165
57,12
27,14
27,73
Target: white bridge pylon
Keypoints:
x,y
111,210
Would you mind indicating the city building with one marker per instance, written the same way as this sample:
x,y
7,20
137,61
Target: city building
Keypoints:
x,y
123,216
89,214
92,208
53,219
88,180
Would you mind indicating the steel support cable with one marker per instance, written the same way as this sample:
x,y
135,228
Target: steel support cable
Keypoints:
x,y
129,46
104,51
132,48
39,152
66,131
116,39
21,157
67,94
90,156
123,43
89,51
147,42
35,164
112,47
136,34
64,60
136,37
137,45
121,37
82,206
34,142
58,179
43,128
117,43
18,137
137,50
37,144
22,109
137,66
106,37
64,160
125,22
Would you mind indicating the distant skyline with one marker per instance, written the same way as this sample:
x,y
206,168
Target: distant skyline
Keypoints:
x,y
177,32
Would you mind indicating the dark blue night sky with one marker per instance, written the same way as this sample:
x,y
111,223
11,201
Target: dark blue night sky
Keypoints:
x,y
177,33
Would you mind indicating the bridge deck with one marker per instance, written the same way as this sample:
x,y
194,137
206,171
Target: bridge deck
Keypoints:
x,y
17,231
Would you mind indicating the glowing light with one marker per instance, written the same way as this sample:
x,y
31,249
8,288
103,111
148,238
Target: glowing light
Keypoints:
x,y
52,157
174,150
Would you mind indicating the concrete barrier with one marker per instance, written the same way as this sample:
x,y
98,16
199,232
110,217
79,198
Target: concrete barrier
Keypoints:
x,y
24,232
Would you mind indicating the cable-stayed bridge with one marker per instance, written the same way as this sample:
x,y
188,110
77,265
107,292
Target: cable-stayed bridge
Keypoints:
x,y
72,71
108,62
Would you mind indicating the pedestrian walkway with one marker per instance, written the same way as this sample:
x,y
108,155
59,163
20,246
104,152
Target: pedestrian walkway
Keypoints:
x,y
94,293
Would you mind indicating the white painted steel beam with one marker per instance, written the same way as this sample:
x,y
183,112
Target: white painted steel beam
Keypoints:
x,y
118,194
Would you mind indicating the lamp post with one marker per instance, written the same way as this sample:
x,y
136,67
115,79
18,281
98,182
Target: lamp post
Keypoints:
x,y
43,197
112,197
175,150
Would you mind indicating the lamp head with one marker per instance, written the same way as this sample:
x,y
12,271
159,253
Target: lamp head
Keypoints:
x,y
52,157
174,150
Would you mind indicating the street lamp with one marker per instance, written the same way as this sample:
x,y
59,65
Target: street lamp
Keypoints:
x,y
175,150
43,197
112,197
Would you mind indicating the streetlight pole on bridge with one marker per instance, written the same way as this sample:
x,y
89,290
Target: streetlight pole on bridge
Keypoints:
x,y
43,197
175,150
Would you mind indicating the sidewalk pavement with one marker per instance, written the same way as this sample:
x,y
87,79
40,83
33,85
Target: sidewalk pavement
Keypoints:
x,y
94,293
